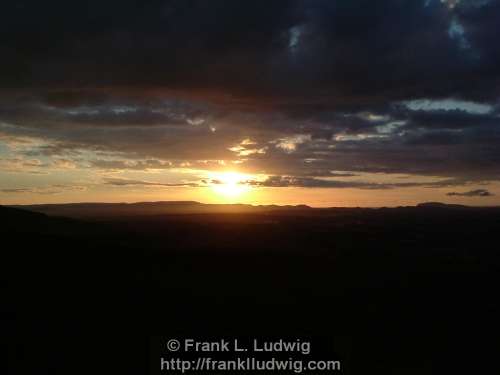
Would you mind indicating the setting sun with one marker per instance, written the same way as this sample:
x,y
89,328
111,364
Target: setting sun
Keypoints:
x,y
230,184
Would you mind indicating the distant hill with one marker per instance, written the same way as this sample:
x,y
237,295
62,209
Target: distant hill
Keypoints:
x,y
442,205
117,210
104,210
21,221
12,217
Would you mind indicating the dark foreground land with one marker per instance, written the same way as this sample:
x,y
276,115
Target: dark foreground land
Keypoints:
x,y
399,291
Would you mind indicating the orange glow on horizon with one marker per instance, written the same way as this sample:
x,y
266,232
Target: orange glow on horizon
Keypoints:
x,y
230,185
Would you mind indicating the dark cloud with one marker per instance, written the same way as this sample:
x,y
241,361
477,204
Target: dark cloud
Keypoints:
x,y
450,119
128,182
288,181
308,182
118,164
348,50
17,190
45,190
319,87
472,193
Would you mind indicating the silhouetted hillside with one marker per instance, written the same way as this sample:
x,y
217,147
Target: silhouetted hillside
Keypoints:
x,y
443,205
103,210
125,210
12,218
399,290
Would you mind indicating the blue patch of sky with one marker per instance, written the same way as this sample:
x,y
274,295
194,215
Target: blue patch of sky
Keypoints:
x,y
449,104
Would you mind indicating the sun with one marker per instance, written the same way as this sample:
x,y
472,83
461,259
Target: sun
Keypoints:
x,y
230,185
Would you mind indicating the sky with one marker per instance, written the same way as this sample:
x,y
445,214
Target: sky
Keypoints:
x,y
318,102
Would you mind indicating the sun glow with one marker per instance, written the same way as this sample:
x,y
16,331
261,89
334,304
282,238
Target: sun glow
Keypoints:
x,y
230,185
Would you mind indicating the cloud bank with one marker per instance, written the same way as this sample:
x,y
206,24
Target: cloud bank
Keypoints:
x,y
302,89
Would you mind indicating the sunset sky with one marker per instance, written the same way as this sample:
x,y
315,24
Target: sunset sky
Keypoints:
x,y
320,102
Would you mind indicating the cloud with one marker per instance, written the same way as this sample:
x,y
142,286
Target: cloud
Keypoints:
x,y
22,165
16,190
310,182
45,190
472,193
128,182
288,47
317,86
142,165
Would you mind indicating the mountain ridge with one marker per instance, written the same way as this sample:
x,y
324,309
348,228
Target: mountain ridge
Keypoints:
x,y
145,208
